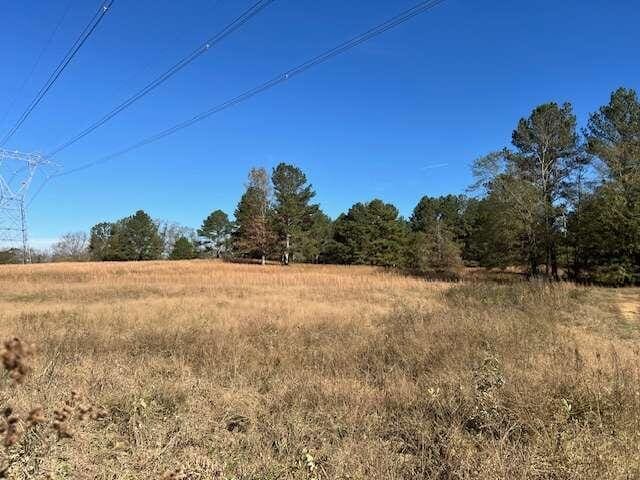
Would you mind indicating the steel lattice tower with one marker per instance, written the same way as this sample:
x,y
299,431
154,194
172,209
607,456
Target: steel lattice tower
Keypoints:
x,y
17,172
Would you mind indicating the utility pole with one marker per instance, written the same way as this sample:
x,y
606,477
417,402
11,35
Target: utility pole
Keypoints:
x,y
17,171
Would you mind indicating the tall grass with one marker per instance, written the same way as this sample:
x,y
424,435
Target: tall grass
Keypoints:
x,y
207,370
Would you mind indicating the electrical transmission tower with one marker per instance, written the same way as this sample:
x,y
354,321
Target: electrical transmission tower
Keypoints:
x,y
17,172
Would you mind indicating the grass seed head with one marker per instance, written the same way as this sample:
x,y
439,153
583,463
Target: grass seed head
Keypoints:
x,y
177,474
36,416
14,359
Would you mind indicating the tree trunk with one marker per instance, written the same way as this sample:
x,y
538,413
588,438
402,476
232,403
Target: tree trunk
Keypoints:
x,y
285,257
554,264
533,266
551,267
263,261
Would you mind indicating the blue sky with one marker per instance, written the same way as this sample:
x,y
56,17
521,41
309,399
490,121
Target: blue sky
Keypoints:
x,y
397,118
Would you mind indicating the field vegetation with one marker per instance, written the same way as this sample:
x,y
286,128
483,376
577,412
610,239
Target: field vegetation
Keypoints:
x,y
202,369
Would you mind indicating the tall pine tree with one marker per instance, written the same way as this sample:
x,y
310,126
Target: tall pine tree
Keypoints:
x,y
216,229
294,216
605,226
534,178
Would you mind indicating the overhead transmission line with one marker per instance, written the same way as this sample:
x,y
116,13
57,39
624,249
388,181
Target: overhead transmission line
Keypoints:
x,y
201,49
399,19
29,76
86,33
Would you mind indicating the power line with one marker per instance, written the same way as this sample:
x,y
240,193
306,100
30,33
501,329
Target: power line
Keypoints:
x,y
399,19
203,48
37,62
86,33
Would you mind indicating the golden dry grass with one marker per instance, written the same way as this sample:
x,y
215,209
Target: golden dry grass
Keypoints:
x,y
243,372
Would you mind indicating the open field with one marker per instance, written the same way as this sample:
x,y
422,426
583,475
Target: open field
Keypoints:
x,y
313,372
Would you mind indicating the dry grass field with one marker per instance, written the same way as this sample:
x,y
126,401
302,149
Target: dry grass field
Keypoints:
x,y
204,370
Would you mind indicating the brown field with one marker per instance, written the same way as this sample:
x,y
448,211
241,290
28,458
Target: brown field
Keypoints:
x,y
311,372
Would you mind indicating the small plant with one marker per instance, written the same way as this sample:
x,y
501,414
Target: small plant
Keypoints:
x,y
14,359
14,426
310,464
177,474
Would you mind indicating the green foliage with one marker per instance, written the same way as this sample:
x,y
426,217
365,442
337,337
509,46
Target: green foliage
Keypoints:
x,y
448,210
434,254
541,203
370,234
547,147
439,226
183,249
532,183
604,229
315,242
216,230
613,135
138,238
505,225
169,232
615,274
132,238
100,241
605,234
294,217
10,256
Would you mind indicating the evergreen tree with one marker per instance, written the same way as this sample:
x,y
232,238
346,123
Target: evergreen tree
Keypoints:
x,y
535,178
170,232
370,234
502,227
613,135
137,238
293,214
100,241
132,238
438,228
183,249
314,244
604,228
216,229
447,210
434,254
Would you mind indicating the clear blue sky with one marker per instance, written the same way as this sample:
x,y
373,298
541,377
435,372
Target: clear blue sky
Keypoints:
x,y
397,118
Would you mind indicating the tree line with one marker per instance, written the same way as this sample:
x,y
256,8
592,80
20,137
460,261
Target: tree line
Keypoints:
x,y
558,202
564,201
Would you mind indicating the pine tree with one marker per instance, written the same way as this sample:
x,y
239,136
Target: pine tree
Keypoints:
x,y
138,238
434,254
315,242
447,210
183,249
100,241
370,234
534,179
216,229
604,228
293,215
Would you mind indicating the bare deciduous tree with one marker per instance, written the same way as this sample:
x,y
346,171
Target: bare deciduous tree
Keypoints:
x,y
72,246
